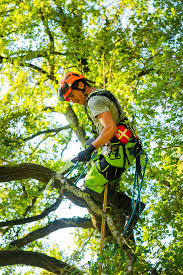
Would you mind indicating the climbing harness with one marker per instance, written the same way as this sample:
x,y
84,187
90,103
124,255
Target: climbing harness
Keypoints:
x,y
126,130
105,93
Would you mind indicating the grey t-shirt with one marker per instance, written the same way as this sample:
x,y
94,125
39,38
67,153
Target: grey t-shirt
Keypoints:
x,y
99,104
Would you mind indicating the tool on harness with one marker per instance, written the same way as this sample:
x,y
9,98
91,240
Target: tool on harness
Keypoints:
x,y
123,134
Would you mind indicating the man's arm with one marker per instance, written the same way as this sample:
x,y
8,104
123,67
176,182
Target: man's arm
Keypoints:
x,y
109,130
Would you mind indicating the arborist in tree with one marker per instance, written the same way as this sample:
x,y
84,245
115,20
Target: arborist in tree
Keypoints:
x,y
116,136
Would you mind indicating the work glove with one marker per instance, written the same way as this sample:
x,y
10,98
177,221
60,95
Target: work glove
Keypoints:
x,y
88,142
84,155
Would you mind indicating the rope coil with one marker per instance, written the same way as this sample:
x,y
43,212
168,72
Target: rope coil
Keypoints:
x,y
139,187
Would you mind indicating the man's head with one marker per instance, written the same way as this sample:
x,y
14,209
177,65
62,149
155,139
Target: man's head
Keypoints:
x,y
73,88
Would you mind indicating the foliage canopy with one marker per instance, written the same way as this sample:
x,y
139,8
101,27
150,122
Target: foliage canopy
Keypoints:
x,y
134,49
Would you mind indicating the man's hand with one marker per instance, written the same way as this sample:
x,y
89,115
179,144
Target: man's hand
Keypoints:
x,y
84,155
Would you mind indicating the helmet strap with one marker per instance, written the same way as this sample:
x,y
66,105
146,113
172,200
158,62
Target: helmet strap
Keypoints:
x,y
84,89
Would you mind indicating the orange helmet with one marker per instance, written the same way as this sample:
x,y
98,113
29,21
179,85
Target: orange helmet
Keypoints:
x,y
67,83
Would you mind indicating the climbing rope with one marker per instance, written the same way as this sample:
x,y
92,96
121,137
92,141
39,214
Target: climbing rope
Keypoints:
x,y
78,164
104,204
134,207
137,184
103,226
139,187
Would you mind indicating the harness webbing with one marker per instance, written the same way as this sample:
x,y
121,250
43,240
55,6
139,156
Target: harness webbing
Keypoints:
x,y
101,93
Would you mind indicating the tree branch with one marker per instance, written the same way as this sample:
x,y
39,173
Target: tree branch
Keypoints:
x,y
55,130
51,44
34,54
25,171
65,183
145,72
52,227
45,213
115,231
73,121
50,108
45,23
39,69
37,259
33,171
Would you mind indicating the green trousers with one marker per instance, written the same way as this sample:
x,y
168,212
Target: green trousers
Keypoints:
x,y
110,166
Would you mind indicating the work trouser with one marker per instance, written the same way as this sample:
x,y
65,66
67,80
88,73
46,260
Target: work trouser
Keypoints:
x,y
118,199
110,166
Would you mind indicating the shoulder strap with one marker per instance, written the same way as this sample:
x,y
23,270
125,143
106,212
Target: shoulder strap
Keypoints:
x,y
101,93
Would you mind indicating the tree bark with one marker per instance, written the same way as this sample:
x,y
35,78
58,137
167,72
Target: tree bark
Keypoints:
x,y
37,259
25,171
73,121
115,218
33,171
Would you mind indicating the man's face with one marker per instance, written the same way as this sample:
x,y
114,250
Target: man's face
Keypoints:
x,y
77,96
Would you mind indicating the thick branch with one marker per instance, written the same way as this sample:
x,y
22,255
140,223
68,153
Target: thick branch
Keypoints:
x,y
45,213
33,171
55,130
110,220
52,227
36,259
25,171
39,69
91,205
